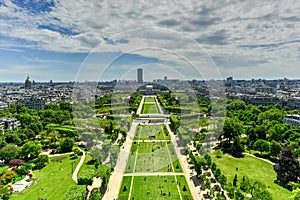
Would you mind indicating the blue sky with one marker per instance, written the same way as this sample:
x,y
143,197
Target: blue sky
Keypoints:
x,y
61,40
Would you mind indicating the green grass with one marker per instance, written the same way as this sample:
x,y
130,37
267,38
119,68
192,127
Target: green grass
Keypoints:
x,y
144,131
3,169
123,194
254,169
55,181
153,157
185,194
150,108
154,188
150,100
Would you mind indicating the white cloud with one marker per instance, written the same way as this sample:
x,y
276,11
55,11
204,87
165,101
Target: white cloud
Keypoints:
x,y
220,27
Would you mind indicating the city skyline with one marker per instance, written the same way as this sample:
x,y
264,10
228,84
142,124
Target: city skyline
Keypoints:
x,y
51,39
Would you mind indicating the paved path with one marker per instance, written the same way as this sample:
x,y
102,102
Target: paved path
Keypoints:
x,y
139,110
97,182
115,180
75,173
185,167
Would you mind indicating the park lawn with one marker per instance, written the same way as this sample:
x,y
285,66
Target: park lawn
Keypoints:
x,y
143,132
150,108
254,169
182,182
150,100
153,157
158,187
54,181
124,192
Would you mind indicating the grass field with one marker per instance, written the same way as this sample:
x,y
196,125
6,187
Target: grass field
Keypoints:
x,y
154,188
150,108
54,181
153,157
150,100
254,169
143,132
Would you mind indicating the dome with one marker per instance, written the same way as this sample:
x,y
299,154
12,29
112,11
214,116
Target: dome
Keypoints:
x,y
28,82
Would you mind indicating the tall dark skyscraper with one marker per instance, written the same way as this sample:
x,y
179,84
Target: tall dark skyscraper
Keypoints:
x,y
140,75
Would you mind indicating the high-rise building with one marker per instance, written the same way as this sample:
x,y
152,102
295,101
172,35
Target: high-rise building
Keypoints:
x,y
140,75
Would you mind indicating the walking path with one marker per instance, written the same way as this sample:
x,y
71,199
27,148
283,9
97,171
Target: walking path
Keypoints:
x,y
115,180
182,159
75,173
97,182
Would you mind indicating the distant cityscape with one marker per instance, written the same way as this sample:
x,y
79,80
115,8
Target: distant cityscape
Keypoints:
x,y
36,95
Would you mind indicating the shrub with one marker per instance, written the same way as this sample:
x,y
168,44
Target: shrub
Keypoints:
x,y
85,176
77,192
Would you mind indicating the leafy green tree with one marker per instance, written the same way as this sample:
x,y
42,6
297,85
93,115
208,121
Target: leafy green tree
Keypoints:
x,y
252,136
262,146
12,137
232,128
222,180
9,152
41,161
31,150
234,183
275,148
2,141
66,145
237,148
236,105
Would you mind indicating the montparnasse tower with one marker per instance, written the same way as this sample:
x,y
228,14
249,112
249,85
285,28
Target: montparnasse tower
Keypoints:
x,y
28,83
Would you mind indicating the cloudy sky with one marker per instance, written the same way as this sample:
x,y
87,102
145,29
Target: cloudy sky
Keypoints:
x,y
60,40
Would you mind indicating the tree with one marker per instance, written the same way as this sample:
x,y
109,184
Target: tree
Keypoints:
x,y
231,129
237,148
252,136
66,145
41,161
234,183
31,150
262,146
275,148
222,180
287,168
9,152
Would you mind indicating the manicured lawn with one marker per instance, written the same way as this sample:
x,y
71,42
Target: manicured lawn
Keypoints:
x,y
150,100
144,131
154,188
124,192
150,108
153,157
254,169
55,181
182,182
